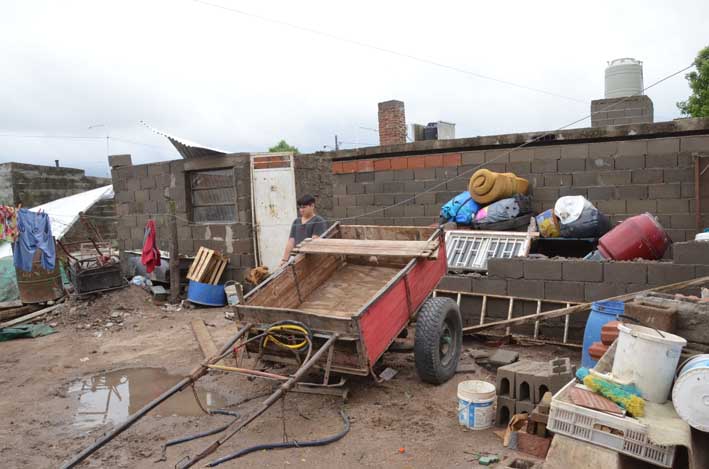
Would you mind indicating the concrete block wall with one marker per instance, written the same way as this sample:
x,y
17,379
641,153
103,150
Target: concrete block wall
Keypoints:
x,y
313,175
621,111
140,195
621,177
36,185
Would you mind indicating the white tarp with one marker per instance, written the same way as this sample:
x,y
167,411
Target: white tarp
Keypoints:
x,y
64,212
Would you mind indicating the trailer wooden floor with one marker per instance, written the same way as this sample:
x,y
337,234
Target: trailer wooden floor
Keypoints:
x,y
348,289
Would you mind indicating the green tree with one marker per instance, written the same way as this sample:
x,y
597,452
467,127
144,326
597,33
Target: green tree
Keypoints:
x,y
283,146
697,105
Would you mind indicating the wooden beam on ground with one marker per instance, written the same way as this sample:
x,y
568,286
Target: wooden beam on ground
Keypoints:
x,y
12,313
203,338
29,317
557,313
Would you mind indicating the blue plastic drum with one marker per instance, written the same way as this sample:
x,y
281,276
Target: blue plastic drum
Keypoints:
x,y
602,312
206,294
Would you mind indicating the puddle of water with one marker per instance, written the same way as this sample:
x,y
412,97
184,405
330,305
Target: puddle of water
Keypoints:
x,y
114,396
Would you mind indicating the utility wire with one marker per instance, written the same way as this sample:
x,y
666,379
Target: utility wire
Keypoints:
x,y
386,50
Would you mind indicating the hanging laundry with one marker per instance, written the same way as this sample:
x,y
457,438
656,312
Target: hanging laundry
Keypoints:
x,y
8,223
151,254
35,232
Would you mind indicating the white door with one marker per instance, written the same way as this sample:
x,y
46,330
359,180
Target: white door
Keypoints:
x,y
274,204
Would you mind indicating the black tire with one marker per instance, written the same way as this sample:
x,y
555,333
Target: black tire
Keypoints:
x,y
438,340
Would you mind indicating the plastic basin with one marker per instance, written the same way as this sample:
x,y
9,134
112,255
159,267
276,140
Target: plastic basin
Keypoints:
x,y
206,294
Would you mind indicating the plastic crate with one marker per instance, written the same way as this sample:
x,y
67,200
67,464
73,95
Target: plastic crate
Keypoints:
x,y
622,434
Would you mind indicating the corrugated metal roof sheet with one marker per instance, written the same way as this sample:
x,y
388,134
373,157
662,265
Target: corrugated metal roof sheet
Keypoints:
x,y
186,148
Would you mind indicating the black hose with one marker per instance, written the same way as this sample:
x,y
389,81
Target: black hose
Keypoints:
x,y
288,444
184,439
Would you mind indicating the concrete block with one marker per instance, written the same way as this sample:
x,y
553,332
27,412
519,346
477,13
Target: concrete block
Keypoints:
x,y
565,291
522,407
506,408
602,149
588,178
557,180
474,157
355,188
625,272
678,175
523,288
456,283
698,144
688,189
571,165
520,167
664,319
611,207
691,252
601,291
542,269
661,161
582,271
422,174
544,166
635,207
674,206
646,176
502,357
383,176
545,194
115,161
663,273
506,268
572,191
601,193
605,163
493,286
659,146
505,380
631,192
664,191
404,175
629,161
632,148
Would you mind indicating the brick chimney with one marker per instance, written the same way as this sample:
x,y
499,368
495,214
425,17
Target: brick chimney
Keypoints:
x,y
392,123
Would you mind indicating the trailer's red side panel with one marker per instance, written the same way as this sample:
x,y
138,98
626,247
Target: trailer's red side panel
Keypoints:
x,y
385,319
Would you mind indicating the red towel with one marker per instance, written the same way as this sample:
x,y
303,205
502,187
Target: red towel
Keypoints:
x,y
151,254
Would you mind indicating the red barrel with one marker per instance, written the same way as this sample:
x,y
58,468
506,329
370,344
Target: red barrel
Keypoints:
x,y
640,236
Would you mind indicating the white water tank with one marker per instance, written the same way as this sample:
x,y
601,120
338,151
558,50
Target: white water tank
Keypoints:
x,y
624,77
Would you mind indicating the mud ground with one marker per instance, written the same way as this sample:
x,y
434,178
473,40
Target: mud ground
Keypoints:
x,y
402,423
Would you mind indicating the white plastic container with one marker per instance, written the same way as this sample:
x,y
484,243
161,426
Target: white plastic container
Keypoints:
x,y
690,394
648,359
476,404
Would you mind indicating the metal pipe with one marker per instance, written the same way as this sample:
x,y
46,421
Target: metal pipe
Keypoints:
x,y
197,373
246,371
272,399
697,193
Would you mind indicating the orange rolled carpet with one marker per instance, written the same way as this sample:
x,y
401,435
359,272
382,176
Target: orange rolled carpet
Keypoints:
x,y
487,186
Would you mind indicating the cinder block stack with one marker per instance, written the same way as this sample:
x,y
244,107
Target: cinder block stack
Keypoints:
x,y
521,385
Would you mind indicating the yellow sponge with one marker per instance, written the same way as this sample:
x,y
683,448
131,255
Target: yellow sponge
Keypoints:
x,y
635,405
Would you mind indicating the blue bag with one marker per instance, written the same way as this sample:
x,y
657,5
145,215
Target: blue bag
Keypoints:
x,y
460,209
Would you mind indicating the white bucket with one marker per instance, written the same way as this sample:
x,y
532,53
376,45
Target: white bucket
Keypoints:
x,y
690,395
476,404
647,359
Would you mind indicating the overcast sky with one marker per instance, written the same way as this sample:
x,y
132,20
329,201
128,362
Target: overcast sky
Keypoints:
x,y
237,82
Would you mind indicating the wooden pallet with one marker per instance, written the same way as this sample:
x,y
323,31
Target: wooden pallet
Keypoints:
x,y
207,267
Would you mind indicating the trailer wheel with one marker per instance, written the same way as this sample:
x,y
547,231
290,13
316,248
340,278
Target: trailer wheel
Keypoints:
x,y
438,340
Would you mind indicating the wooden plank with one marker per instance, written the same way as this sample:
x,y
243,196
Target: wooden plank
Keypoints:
x,y
220,271
12,313
203,338
216,162
401,233
29,317
556,313
384,248
195,263
200,274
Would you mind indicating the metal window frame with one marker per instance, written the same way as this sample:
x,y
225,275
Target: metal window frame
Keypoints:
x,y
469,250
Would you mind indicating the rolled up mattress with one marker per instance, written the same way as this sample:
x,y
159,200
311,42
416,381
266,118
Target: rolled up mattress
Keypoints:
x,y
487,186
